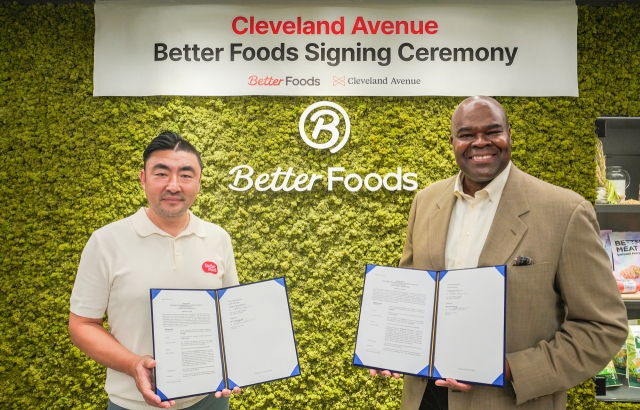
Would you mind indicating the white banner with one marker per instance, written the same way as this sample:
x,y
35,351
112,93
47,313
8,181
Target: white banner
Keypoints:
x,y
515,49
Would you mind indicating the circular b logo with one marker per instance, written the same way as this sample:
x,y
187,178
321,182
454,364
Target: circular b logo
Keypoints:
x,y
332,127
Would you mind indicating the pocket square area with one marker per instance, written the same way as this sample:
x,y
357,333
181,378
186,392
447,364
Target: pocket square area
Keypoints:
x,y
522,260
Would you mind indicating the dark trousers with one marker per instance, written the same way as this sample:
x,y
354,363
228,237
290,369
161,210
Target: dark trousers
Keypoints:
x,y
435,397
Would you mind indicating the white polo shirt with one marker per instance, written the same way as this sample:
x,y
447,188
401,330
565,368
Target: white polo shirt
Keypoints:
x,y
123,260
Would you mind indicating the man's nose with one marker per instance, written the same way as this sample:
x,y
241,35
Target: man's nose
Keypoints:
x,y
173,184
481,140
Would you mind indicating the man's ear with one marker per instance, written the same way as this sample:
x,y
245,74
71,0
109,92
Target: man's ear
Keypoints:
x,y
142,178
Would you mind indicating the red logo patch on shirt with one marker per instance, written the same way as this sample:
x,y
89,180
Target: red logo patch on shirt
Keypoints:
x,y
210,267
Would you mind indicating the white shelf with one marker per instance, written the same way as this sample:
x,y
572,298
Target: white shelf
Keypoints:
x,y
621,393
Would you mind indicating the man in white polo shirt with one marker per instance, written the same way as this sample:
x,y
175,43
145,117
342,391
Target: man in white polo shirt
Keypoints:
x,y
162,246
565,318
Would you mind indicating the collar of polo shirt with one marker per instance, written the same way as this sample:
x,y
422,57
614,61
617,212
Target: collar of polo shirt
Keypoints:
x,y
144,227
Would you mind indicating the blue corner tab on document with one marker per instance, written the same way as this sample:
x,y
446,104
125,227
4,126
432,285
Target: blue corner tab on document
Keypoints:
x,y
161,395
424,372
356,360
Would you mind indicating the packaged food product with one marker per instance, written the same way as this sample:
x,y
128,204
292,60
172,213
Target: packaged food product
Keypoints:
x,y
620,361
610,376
633,356
606,242
625,248
628,286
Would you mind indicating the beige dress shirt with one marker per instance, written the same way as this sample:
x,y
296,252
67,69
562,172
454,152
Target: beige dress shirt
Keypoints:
x,y
470,221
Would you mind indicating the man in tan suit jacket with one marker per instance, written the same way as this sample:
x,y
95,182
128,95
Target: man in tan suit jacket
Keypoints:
x,y
565,316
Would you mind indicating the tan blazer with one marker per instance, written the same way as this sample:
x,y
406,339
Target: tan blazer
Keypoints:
x,y
565,316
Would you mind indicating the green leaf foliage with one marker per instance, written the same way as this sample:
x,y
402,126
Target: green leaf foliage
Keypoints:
x,y
70,164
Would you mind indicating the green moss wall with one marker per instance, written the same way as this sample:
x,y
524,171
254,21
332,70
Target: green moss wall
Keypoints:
x,y
69,164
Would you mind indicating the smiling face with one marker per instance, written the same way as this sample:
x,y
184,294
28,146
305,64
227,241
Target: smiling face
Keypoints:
x,y
171,181
481,141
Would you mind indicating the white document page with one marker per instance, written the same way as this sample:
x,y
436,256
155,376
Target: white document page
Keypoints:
x,y
470,325
257,333
396,317
186,343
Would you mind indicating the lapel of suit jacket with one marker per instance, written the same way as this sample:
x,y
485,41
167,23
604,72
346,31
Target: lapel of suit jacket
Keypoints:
x,y
507,229
439,226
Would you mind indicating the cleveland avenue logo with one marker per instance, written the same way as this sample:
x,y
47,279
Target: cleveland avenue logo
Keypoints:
x,y
318,117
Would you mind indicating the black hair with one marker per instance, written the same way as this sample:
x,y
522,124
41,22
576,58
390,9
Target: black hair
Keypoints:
x,y
168,140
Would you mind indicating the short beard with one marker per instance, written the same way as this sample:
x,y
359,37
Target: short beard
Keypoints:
x,y
173,215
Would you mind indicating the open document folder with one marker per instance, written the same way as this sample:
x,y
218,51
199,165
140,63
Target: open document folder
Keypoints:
x,y
436,324
209,340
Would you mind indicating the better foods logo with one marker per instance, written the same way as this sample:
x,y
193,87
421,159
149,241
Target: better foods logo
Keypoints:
x,y
335,143
326,119
210,267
